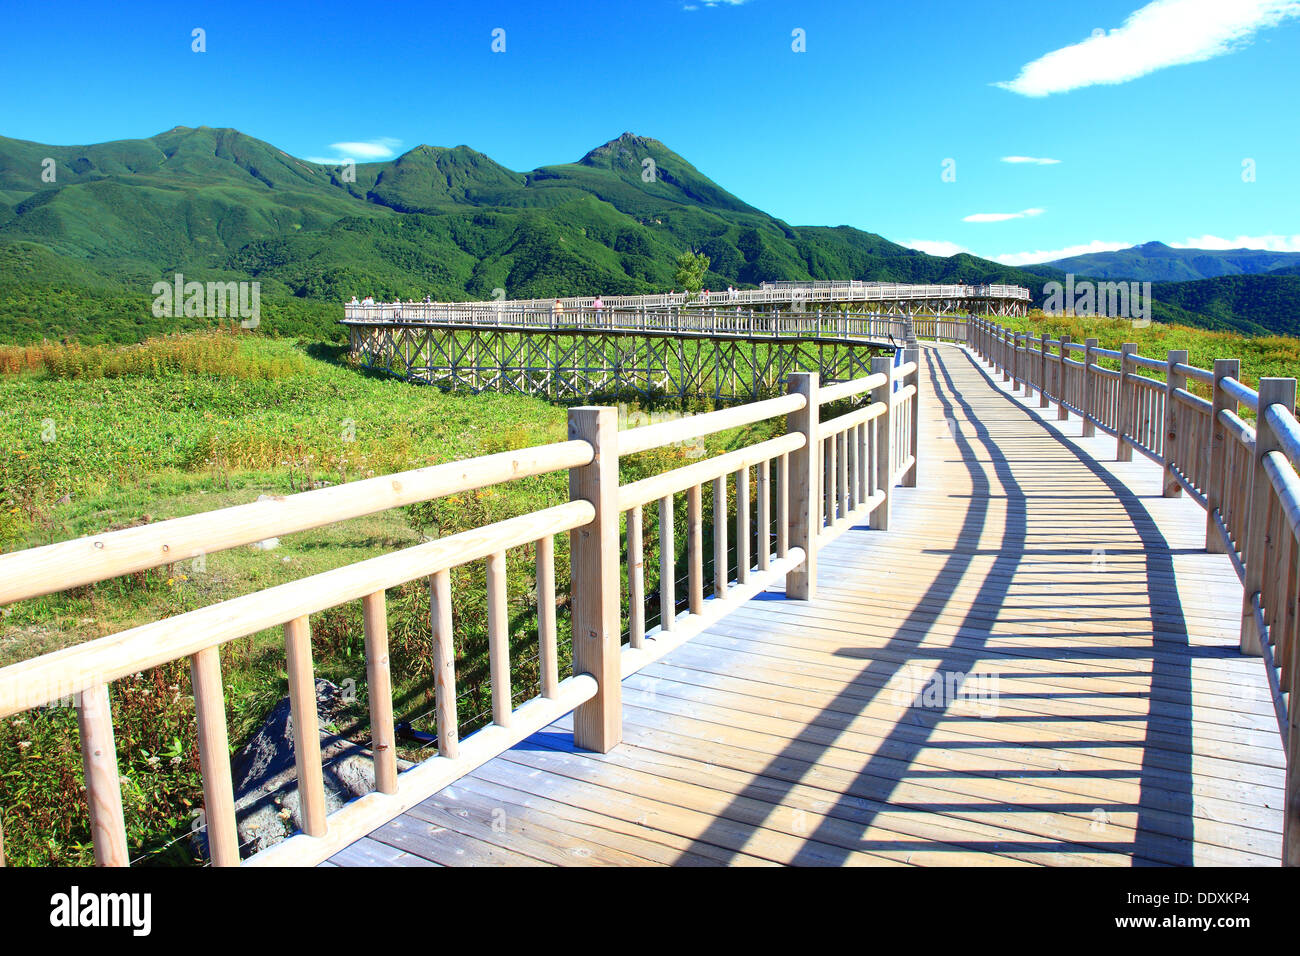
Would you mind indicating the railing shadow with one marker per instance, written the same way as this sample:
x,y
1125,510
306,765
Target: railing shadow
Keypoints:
x,y
1164,778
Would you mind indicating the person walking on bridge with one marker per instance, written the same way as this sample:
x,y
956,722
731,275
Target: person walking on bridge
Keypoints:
x,y
557,312
599,306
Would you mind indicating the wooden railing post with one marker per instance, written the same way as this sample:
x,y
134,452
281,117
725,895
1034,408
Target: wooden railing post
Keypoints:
x,y
1272,391
1124,409
1017,374
306,726
594,568
1062,413
913,422
805,487
103,785
214,758
1005,336
884,440
1216,453
1085,403
1169,486
1043,400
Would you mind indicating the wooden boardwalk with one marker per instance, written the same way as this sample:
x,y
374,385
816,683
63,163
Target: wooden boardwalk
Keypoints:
x,y
1106,715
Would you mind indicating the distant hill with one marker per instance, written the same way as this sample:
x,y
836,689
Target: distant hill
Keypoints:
x,y
1246,303
216,199
1157,262
78,256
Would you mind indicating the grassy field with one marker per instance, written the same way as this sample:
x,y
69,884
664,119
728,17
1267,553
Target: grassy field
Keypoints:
x,y
1261,356
100,438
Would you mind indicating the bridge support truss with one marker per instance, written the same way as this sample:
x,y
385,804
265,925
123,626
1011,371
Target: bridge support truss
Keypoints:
x,y
571,364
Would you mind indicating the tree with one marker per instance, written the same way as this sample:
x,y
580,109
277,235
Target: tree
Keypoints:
x,y
691,267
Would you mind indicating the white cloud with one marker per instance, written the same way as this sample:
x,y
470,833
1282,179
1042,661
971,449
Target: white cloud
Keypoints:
x,y
1029,258
1037,160
360,151
936,247
1161,34
1270,243
1002,216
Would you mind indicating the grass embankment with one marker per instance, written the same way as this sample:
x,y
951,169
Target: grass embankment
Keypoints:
x,y
99,438
1261,356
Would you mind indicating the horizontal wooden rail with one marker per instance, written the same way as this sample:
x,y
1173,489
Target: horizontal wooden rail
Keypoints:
x,y
53,676
69,564
842,390
696,426
679,479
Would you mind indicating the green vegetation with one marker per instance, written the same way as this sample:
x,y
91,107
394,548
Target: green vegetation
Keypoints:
x,y
78,256
99,439
1261,356
691,269
1157,262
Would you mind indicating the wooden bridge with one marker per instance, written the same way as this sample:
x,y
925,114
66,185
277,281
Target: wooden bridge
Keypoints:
x,y
896,298
728,355
966,625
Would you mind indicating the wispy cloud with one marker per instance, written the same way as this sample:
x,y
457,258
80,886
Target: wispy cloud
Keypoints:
x,y
1029,258
1161,34
1036,160
713,3
1271,243
1002,216
935,247
361,151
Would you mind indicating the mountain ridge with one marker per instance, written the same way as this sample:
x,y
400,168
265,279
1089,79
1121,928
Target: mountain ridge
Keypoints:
x,y
451,222
1157,262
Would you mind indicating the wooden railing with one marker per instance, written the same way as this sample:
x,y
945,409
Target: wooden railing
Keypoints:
x,y
1243,475
768,293
720,322
862,453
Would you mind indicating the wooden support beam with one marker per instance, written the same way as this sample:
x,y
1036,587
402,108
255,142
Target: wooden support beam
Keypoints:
x,y
547,644
214,758
1216,453
1124,413
444,664
498,622
635,579
884,441
1169,485
103,785
593,550
1259,546
306,726
1062,413
667,565
803,491
1086,404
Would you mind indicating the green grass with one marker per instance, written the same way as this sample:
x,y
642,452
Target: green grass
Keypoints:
x,y
196,425
1260,355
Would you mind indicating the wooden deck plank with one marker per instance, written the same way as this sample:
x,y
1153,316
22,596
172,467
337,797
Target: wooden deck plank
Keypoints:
x,y
1124,728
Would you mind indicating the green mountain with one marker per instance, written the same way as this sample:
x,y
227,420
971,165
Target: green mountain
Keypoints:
x,y
1157,262
1253,304
79,255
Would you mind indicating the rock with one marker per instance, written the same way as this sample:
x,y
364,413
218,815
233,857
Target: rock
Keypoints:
x,y
267,805
65,500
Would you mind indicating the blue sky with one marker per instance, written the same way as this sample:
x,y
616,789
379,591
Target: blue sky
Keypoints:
x,y
1173,120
